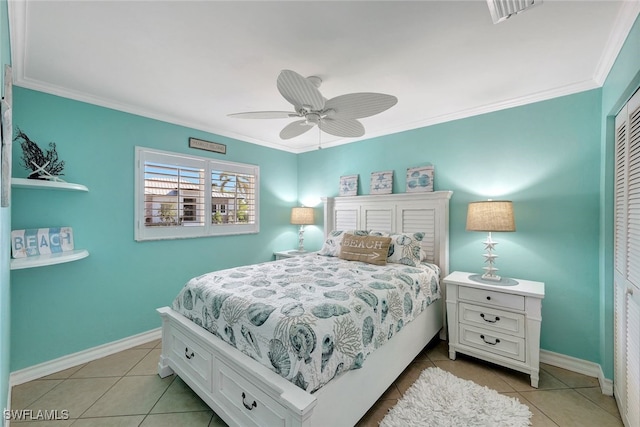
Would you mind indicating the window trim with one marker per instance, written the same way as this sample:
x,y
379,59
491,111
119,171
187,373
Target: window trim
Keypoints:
x,y
144,233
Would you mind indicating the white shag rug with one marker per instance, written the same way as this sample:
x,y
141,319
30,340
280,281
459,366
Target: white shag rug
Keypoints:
x,y
440,399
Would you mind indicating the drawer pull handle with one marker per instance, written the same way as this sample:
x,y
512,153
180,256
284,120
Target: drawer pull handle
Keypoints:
x,y
249,407
489,342
497,318
187,354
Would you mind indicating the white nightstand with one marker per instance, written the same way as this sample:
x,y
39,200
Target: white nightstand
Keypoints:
x,y
289,254
496,323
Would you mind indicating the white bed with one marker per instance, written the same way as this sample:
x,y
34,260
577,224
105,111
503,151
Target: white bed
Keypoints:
x,y
244,392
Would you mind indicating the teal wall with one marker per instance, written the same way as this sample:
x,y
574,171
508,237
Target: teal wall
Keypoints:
x,y
113,294
623,80
5,231
552,158
546,158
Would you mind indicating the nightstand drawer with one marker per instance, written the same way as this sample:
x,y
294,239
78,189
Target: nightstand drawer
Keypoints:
x,y
493,342
486,297
492,319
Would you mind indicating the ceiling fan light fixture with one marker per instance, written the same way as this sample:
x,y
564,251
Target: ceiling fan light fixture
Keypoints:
x,y
313,118
336,116
502,10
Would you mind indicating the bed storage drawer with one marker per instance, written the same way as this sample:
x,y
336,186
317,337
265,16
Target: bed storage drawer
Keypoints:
x,y
492,319
486,297
194,359
493,342
234,391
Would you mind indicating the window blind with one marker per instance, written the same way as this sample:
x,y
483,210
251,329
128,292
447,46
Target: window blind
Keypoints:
x,y
233,197
181,196
173,195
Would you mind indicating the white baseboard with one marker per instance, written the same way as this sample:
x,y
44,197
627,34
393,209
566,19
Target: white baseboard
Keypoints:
x,y
580,366
65,362
47,368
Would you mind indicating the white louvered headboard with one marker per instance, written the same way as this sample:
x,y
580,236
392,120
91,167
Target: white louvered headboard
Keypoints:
x,y
400,213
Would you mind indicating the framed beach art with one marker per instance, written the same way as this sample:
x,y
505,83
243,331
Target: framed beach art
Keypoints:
x,y
348,185
420,179
381,182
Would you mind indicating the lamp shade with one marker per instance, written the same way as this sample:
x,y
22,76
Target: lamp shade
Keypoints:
x,y
302,216
491,215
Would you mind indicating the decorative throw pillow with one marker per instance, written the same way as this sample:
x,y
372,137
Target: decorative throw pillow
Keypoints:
x,y
369,249
331,246
423,254
405,249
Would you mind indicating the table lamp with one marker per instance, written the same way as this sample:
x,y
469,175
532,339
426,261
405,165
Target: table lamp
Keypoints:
x,y
301,216
490,216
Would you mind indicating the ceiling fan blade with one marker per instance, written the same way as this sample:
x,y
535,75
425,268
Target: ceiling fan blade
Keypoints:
x,y
264,115
359,105
294,129
342,127
299,91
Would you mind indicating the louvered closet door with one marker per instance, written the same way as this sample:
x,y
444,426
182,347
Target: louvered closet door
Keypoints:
x,y
620,344
621,160
633,267
633,192
620,257
627,263
633,357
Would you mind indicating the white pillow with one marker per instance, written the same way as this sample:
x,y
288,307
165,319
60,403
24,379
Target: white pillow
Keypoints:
x,y
405,248
331,246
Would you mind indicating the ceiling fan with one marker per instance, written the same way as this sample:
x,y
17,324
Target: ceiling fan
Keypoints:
x,y
336,116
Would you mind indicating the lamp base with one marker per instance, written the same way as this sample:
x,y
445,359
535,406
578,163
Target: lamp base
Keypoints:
x,y
492,277
301,240
504,281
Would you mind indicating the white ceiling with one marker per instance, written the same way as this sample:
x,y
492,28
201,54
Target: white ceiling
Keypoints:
x,y
192,63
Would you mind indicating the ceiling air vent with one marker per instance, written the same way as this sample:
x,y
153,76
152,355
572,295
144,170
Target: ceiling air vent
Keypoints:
x,y
504,9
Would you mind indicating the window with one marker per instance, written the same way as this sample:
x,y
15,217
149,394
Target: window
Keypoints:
x,y
172,191
190,209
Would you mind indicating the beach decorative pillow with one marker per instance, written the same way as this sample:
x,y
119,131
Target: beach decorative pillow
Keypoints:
x,y
369,249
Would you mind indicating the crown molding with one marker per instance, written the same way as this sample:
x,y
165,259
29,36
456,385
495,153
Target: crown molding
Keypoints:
x,y
627,16
18,11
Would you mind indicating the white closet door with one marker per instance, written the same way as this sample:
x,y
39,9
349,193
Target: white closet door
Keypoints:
x,y
620,260
633,192
633,357
633,267
621,162
627,262
620,344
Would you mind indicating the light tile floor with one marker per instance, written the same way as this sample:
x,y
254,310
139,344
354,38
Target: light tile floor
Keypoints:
x,y
124,390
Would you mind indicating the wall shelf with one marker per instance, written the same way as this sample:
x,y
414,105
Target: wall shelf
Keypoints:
x,y
46,185
48,259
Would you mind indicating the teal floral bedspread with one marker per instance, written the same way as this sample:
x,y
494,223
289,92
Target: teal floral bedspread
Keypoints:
x,y
309,318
